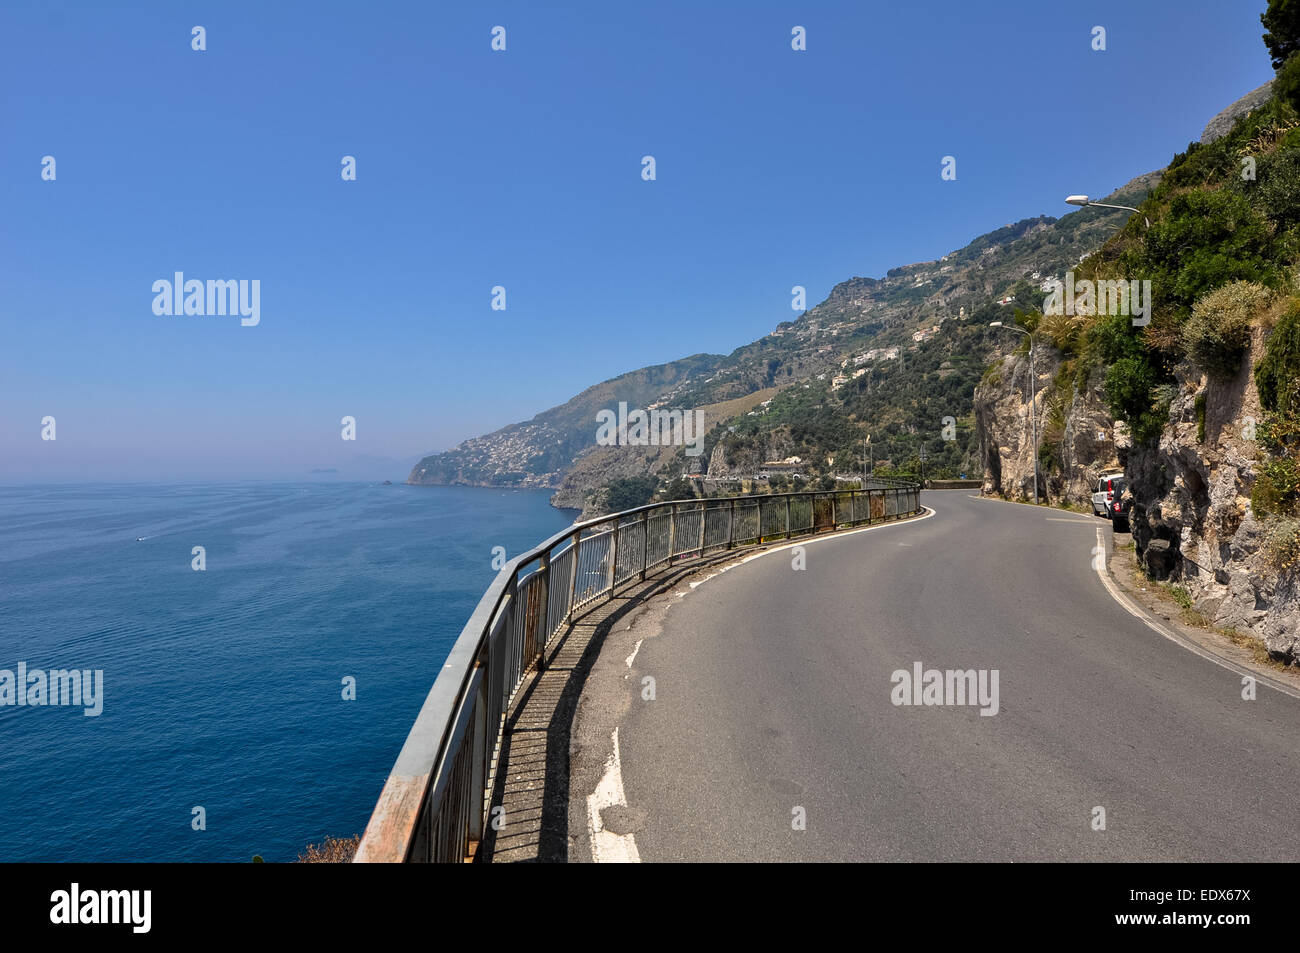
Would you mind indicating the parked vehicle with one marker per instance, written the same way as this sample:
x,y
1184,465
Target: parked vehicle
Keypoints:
x,y
1101,500
1120,506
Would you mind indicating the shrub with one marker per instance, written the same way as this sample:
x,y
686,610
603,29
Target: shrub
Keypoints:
x,y
1218,332
1282,544
1286,85
1275,193
332,850
1277,374
1133,396
1276,487
1207,240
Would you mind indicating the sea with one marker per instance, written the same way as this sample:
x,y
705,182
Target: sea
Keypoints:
x,y
249,707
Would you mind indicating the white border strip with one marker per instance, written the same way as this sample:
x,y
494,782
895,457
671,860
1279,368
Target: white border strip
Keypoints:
x,y
1138,613
606,846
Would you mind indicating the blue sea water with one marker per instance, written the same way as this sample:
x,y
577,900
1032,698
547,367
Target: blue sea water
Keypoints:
x,y
223,688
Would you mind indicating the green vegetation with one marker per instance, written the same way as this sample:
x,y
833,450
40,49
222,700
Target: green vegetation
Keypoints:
x,y
1217,334
1277,484
1278,374
629,492
1282,21
1282,544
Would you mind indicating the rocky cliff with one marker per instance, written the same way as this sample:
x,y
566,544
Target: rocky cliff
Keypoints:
x,y
1081,439
1192,520
1192,517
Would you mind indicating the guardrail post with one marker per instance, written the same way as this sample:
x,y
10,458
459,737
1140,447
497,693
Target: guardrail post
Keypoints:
x,y
703,514
645,542
613,561
480,743
731,525
544,633
787,517
573,587
672,533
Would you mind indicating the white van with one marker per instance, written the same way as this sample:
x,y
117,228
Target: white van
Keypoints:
x,y
1105,495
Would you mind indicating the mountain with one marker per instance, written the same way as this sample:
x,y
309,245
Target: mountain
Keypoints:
x,y
557,449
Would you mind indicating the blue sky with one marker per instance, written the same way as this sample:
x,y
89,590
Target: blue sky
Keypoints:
x,y
518,168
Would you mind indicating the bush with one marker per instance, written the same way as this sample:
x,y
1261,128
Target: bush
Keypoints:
x,y
1282,544
1277,485
1286,85
1207,240
1217,334
332,850
1277,374
1275,193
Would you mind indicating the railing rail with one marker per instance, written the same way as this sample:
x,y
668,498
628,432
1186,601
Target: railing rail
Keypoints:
x,y
434,805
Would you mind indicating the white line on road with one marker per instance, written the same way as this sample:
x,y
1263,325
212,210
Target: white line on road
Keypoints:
x,y
1134,610
606,846
810,541
636,648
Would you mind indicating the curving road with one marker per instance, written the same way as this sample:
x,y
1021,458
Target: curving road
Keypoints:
x,y
772,693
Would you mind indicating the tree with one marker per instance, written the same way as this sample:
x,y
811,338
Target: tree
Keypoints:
x,y
680,489
1282,20
630,492
1286,85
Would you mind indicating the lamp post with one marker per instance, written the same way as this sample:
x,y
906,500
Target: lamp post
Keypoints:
x,y
1084,202
1033,396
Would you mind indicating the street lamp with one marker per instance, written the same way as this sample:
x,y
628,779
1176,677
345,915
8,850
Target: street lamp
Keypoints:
x,y
1083,202
1033,379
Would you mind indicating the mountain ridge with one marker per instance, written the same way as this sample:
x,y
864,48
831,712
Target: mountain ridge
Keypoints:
x,y
858,314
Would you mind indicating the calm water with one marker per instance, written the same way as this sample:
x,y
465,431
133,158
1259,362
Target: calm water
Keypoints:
x,y
222,688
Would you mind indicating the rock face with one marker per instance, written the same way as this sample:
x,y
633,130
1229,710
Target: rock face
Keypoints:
x,y
1221,124
1192,521
1087,440
1092,444
1192,518
1004,424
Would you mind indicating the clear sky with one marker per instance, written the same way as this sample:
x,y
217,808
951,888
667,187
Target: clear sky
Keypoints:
x,y
522,169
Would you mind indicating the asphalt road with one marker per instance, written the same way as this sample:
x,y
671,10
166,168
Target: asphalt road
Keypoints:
x,y
773,693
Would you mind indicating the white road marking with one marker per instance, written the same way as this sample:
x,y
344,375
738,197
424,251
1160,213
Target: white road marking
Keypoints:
x,y
1134,610
636,648
1062,519
606,846
808,541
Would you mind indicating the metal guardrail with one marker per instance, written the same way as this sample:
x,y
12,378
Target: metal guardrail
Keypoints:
x,y
435,802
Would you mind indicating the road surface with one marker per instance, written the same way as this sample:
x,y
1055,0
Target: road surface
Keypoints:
x,y
773,698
